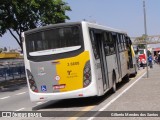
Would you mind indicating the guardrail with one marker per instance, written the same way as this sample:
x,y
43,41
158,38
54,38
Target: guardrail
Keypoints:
x,y
12,71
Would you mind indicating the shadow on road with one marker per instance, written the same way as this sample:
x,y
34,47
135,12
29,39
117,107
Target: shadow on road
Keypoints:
x,y
12,88
77,102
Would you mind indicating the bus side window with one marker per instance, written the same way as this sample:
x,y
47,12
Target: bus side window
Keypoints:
x,y
115,41
92,36
106,44
119,42
127,42
122,42
111,44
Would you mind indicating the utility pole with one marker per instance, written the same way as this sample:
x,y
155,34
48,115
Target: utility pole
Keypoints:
x,y
145,28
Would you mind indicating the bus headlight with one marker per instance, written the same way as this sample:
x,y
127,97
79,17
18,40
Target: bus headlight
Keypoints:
x,y
87,74
32,83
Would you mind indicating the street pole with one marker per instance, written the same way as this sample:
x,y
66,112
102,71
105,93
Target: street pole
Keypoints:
x,y
145,28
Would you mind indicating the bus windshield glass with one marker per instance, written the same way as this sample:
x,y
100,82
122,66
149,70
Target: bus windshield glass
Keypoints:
x,y
54,41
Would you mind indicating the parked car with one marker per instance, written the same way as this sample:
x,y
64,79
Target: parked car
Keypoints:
x,y
142,55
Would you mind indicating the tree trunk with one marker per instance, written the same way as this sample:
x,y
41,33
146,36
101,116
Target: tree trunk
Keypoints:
x,y
18,41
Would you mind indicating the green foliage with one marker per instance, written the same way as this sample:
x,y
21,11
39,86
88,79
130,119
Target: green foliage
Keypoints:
x,y
22,15
5,49
1,49
142,46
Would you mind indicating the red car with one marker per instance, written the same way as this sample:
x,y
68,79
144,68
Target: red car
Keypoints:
x,y
142,57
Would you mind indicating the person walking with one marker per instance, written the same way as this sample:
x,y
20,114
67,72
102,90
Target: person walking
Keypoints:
x,y
159,58
155,59
150,61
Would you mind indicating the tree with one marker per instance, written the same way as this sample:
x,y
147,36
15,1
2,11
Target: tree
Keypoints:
x,y
142,46
18,16
5,49
1,49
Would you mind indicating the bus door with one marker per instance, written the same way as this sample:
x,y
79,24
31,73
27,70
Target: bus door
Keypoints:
x,y
103,61
130,52
116,39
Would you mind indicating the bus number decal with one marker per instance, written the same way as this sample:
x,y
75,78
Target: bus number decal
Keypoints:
x,y
72,63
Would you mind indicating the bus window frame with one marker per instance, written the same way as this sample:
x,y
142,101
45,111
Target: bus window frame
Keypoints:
x,y
56,56
108,40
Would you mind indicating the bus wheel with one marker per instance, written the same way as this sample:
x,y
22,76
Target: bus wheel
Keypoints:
x,y
126,78
114,83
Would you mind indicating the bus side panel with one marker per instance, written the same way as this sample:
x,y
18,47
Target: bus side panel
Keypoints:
x,y
99,81
95,63
112,65
124,58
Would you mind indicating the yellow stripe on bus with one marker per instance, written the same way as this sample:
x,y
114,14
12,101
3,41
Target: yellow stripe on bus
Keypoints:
x,y
132,50
70,71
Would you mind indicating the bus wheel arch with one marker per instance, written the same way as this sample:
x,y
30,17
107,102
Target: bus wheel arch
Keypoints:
x,y
135,70
114,88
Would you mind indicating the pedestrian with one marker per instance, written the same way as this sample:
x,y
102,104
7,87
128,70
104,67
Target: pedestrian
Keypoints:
x,y
159,58
155,59
150,61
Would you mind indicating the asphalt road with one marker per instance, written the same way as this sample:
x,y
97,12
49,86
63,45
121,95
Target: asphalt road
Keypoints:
x,y
15,99
139,94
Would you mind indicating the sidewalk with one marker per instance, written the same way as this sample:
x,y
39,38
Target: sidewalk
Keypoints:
x,y
143,96
148,90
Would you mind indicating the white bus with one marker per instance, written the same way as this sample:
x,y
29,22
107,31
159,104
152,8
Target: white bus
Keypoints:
x,y
73,60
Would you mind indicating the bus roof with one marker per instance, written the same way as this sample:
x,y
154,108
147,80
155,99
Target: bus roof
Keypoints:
x,y
89,24
98,26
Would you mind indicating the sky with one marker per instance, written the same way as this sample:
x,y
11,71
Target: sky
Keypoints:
x,y
126,15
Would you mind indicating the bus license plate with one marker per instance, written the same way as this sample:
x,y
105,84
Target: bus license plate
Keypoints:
x,y
62,86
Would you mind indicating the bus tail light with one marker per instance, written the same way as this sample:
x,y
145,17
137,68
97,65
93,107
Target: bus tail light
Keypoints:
x,y
87,74
80,95
32,83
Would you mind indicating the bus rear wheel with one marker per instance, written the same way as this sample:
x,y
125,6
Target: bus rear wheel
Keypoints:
x,y
114,83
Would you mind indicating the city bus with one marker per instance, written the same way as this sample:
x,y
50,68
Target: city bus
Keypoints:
x,y
74,60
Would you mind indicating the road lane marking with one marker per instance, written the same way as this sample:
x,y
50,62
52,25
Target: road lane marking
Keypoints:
x,y
76,116
21,93
103,108
20,109
5,97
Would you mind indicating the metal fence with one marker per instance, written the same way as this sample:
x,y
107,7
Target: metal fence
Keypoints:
x,y
12,70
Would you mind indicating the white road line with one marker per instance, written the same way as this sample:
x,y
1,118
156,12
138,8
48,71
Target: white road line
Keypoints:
x,y
5,97
21,93
103,108
20,109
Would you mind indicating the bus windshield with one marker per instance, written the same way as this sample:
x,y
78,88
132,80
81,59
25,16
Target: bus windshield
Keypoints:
x,y
54,41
